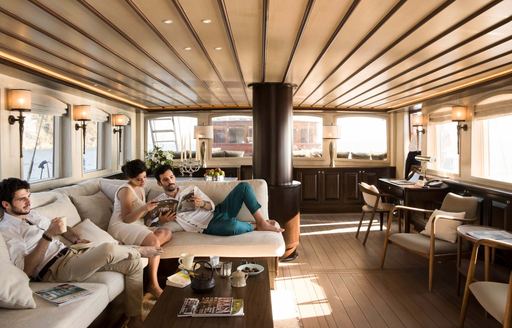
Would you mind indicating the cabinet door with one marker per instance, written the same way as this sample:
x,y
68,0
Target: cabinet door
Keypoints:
x,y
310,180
332,185
370,176
351,187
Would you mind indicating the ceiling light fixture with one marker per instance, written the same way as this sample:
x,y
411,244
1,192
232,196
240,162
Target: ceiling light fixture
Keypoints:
x,y
187,48
218,48
206,21
167,21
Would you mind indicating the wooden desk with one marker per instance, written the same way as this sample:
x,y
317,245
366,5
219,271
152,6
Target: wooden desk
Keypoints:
x,y
414,196
256,295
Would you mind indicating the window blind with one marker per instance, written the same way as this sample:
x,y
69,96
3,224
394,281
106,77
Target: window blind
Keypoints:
x,y
441,115
493,110
47,105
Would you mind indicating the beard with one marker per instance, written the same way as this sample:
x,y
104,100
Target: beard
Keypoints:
x,y
20,210
171,187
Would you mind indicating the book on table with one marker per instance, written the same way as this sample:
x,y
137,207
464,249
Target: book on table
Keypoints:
x,y
63,294
492,234
212,307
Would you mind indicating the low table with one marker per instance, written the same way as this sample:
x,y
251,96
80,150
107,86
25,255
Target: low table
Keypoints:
x,y
256,296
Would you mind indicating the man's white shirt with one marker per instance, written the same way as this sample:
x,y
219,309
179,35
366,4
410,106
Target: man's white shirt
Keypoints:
x,y
192,221
21,238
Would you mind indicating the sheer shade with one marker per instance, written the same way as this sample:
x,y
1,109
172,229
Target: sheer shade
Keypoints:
x,y
47,105
441,115
493,109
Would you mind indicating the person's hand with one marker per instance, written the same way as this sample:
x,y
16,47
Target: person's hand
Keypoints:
x,y
82,241
198,202
167,217
151,205
57,227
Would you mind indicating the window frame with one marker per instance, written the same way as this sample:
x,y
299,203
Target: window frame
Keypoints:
x,y
323,141
211,142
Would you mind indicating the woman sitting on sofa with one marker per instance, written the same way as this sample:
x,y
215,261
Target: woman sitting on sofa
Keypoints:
x,y
127,221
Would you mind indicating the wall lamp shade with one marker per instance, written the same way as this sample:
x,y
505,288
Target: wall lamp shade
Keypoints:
x,y
120,120
459,115
20,100
82,113
331,132
203,132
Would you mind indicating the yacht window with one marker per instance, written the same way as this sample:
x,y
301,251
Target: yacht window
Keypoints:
x,y
362,137
92,137
442,146
174,133
307,136
39,147
232,136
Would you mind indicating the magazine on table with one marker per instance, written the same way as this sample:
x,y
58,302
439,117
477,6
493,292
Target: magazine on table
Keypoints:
x,y
491,234
170,205
212,307
63,294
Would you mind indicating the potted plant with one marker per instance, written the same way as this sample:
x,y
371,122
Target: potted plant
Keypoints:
x,y
214,175
157,157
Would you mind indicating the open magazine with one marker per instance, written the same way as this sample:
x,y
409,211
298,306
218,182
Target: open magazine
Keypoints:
x,y
184,204
62,294
212,307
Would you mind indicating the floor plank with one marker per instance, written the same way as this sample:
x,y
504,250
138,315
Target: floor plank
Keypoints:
x,y
337,282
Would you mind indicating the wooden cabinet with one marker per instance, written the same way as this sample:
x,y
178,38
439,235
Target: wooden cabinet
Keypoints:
x,y
330,190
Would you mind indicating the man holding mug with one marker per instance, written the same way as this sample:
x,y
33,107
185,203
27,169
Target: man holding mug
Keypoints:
x,y
33,248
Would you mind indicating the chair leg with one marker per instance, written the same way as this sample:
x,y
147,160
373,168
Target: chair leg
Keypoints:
x,y
369,227
360,222
384,252
381,220
430,272
469,279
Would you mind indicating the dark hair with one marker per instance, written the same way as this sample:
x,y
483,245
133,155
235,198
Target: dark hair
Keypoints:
x,y
161,169
9,186
133,168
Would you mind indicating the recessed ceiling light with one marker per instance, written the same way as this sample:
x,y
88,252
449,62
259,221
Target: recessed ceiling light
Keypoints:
x,y
109,89
167,21
218,48
187,48
95,84
206,21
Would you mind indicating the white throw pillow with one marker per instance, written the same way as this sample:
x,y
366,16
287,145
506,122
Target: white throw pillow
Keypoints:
x,y
96,207
15,292
444,229
88,230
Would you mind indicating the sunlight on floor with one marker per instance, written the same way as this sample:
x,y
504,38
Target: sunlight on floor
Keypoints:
x,y
343,230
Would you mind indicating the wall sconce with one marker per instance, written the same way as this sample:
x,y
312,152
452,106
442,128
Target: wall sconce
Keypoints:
x,y
203,133
119,120
459,115
20,100
331,132
82,114
419,121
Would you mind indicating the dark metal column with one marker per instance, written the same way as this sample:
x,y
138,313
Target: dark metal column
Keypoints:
x,y
272,156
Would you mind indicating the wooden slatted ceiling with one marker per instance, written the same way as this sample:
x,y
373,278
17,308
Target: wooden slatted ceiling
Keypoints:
x,y
339,53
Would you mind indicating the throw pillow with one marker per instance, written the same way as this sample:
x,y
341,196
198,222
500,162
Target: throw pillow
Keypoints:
x,y
96,207
88,230
444,229
15,292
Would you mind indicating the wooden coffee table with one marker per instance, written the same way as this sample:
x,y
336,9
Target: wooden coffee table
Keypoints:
x,y
256,296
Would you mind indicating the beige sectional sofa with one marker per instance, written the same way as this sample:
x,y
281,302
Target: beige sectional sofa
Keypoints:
x,y
93,200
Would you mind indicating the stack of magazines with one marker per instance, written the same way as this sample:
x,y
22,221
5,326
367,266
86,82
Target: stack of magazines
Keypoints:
x,y
63,294
212,307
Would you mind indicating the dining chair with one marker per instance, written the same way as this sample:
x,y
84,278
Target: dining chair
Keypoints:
x,y
494,297
439,239
372,204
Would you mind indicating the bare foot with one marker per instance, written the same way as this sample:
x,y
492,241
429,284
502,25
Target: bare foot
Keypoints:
x,y
150,251
156,291
269,225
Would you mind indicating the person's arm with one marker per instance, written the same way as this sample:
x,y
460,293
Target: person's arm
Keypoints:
x,y
202,201
128,213
34,258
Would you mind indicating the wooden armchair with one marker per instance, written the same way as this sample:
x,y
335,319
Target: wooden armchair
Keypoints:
x,y
373,204
495,297
432,247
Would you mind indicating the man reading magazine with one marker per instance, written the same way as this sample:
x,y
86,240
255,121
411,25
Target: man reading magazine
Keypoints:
x,y
199,214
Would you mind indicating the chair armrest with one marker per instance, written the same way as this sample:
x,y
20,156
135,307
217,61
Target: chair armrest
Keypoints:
x,y
412,209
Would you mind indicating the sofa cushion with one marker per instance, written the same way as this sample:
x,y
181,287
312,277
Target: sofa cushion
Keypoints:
x,y
88,230
113,280
15,292
52,204
251,244
96,207
78,314
109,187
444,229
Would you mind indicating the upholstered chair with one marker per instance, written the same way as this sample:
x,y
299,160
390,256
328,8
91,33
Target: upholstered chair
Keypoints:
x,y
494,297
455,210
372,204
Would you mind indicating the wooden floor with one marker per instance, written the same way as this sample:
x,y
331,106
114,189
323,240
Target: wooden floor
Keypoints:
x,y
337,282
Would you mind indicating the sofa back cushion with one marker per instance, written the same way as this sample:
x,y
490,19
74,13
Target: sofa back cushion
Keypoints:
x,y
217,191
52,204
96,207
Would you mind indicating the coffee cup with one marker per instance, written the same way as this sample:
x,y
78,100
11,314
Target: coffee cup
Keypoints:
x,y
214,261
64,224
225,269
186,260
238,279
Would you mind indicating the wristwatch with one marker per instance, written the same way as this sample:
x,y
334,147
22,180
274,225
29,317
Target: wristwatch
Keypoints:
x,y
47,237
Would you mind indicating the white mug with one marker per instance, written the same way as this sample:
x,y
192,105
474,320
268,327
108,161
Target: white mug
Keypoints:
x,y
214,261
186,260
63,227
